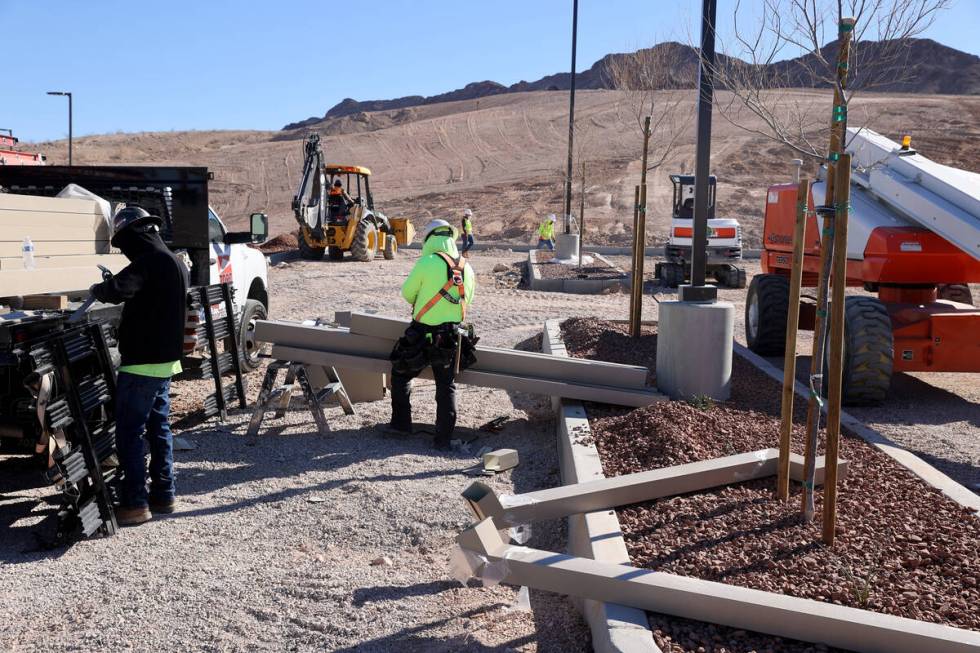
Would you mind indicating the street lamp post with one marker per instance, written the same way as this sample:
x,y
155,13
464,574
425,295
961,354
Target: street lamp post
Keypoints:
x,y
68,94
571,124
698,290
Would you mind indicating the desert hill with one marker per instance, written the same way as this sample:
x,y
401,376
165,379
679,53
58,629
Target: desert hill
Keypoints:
x,y
915,66
503,155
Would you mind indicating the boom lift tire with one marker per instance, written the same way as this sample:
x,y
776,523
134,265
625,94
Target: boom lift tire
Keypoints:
x,y
250,349
391,247
868,352
766,310
364,244
335,253
956,292
307,251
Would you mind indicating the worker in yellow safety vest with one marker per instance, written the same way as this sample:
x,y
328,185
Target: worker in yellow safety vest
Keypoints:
x,y
439,288
467,240
546,234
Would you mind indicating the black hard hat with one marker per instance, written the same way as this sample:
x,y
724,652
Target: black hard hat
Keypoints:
x,y
337,182
130,217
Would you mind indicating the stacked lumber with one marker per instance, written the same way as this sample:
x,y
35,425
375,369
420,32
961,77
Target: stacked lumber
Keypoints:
x,y
366,344
70,238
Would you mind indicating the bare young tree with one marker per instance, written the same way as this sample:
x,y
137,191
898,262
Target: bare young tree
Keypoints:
x,y
658,82
779,47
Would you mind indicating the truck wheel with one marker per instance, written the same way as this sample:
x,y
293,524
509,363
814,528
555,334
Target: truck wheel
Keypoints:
x,y
735,277
672,274
391,246
307,251
766,309
956,292
250,349
335,253
365,242
868,352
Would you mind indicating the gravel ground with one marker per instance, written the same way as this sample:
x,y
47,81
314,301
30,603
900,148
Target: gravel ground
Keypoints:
x,y
314,514
909,551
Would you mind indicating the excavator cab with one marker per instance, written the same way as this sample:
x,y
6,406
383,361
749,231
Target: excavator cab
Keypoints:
x,y
684,196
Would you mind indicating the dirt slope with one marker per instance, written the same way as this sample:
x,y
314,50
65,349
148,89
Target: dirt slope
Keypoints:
x,y
504,156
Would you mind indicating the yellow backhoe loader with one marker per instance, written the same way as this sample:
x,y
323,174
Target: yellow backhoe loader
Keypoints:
x,y
336,212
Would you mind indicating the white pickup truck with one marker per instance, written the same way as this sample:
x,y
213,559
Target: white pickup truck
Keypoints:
x,y
70,234
247,271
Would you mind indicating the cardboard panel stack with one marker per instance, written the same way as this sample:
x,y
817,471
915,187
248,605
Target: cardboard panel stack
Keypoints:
x,y
70,238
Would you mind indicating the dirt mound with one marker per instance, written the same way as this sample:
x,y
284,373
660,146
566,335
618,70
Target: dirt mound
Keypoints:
x,y
282,243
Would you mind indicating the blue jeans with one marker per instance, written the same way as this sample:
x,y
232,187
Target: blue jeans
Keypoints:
x,y
546,244
467,242
143,405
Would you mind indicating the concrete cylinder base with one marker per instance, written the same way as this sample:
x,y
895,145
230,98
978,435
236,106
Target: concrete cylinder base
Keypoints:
x,y
694,349
566,245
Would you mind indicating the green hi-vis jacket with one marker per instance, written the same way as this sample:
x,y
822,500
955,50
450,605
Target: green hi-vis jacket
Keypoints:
x,y
467,226
547,231
429,275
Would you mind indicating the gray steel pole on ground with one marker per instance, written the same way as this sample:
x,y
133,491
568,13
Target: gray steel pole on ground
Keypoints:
x,y
571,123
697,291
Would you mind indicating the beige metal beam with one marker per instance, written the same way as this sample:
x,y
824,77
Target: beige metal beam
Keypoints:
x,y
729,605
609,493
518,363
598,393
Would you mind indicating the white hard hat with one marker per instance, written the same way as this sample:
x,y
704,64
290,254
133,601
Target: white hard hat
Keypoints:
x,y
434,225
468,213
551,217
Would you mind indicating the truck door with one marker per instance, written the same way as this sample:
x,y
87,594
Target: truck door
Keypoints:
x,y
228,264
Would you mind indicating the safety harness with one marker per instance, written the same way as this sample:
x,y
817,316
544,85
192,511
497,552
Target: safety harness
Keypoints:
x,y
457,268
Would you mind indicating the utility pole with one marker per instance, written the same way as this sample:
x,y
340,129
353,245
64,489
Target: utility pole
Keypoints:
x,y
66,93
571,124
698,291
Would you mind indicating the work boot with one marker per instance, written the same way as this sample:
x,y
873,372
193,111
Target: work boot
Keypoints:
x,y
165,506
133,516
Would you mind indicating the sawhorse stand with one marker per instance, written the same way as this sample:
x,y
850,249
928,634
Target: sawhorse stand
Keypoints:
x,y
324,384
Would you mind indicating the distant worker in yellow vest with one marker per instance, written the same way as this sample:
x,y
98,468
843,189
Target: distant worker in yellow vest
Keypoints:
x,y
546,234
467,239
439,288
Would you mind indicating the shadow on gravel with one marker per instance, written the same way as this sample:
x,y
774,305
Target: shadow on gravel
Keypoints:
x,y
397,592
414,639
910,401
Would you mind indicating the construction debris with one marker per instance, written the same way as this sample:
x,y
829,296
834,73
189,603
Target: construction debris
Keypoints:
x,y
500,460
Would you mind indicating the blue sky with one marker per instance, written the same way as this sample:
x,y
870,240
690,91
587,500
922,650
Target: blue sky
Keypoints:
x,y
207,64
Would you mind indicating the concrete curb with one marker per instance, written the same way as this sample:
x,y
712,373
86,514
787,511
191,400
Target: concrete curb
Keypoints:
x,y
903,457
615,628
575,286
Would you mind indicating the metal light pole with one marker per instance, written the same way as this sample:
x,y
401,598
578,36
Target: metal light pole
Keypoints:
x,y
698,291
69,118
571,123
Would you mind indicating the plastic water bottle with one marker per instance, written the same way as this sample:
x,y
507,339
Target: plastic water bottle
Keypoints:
x,y
28,249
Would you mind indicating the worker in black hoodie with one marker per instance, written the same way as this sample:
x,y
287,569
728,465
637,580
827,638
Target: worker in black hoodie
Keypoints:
x,y
151,337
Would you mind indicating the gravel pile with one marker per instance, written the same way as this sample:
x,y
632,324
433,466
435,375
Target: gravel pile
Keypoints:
x,y
590,337
597,270
902,547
